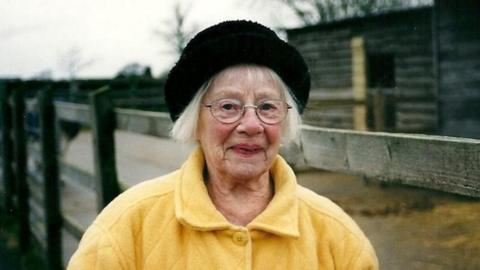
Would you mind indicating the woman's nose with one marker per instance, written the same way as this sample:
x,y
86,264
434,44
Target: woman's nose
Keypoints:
x,y
249,123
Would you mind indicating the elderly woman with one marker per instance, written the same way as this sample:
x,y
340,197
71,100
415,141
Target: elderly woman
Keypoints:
x,y
237,91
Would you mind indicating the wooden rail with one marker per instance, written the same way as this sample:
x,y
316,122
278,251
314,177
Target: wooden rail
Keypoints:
x,y
442,163
143,122
72,174
72,226
73,112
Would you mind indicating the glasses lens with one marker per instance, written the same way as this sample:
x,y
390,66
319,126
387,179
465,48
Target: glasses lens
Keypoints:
x,y
271,111
227,110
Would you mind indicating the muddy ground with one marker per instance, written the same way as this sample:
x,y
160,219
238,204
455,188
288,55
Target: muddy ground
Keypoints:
x,y
410,228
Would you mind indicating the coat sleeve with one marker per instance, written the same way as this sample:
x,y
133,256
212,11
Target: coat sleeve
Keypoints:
x,y
96,251
367,259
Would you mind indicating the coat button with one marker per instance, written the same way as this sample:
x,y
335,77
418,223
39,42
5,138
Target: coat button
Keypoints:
x,y
240,238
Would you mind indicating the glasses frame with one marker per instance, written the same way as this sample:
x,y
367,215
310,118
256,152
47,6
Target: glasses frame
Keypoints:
x,y
240,116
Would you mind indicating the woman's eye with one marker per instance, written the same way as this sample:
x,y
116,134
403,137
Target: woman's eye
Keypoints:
x,y
267,106
228,106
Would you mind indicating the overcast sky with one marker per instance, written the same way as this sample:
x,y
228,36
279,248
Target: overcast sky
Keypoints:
x,y
35,34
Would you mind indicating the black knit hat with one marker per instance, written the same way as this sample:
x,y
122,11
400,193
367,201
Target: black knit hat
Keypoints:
x,y
227,44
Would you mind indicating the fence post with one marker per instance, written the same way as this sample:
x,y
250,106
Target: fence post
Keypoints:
x,y
7,151
50,177
103,124
359,83
20,168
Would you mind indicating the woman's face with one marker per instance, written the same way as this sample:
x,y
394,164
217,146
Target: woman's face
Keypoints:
x,y
246,148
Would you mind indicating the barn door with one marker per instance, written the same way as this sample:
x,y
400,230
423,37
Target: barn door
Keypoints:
x,y
373,81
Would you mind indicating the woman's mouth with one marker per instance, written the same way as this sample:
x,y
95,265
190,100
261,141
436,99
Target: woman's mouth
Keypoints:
x,y
247,150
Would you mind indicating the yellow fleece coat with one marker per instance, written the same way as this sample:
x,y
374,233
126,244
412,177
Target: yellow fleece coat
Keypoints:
x,y
171,223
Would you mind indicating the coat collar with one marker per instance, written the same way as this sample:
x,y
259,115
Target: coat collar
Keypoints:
x,y
194,208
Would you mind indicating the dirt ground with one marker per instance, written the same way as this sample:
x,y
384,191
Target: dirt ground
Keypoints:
x,y
410,228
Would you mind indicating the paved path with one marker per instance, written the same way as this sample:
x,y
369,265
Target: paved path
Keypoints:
x,y
410,228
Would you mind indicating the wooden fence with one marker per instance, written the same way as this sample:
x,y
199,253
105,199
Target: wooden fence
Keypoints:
x,y
31,172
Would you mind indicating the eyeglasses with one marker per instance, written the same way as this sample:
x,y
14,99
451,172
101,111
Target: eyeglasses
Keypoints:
x,y
228,110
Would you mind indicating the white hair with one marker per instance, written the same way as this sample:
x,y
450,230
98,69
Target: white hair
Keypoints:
x,y
184,129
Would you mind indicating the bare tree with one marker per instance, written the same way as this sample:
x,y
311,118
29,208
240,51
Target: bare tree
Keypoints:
x,y
311,12
72,61
174,31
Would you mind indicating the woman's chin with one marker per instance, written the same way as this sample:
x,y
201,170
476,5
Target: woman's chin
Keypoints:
x,y
246,170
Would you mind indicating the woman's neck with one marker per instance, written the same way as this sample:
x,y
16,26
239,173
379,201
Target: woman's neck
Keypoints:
x,y
240,200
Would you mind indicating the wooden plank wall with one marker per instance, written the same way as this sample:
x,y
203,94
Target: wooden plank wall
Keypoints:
x,y
328,55
406,35
458,45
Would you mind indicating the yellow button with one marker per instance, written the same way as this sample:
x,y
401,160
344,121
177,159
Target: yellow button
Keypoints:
x,y
240,238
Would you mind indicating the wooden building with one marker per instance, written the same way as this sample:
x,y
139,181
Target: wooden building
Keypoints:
x,y
414,70
456,27
353,61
